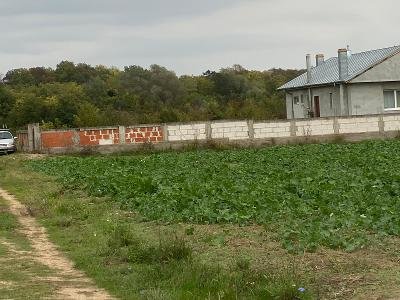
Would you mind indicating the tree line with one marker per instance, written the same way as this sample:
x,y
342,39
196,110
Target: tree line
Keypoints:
x,y
80,95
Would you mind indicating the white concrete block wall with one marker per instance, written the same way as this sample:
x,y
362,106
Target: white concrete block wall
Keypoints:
x,y
186,132
359,125
392,122
230,130
315,127
238,130
271,130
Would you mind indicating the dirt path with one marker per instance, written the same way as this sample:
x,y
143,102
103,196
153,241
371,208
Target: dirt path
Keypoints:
x,y
74,283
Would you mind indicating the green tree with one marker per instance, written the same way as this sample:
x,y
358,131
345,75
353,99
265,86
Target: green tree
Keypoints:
x,y
7,102
19,77
87,115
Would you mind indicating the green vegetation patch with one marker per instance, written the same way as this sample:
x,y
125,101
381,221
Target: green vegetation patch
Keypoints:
x,y
312,195
20,278
18,269
9,228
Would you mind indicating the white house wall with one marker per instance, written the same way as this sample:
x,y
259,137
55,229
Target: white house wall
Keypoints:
x,y
300,110
367,98
297,111
388,70
324,100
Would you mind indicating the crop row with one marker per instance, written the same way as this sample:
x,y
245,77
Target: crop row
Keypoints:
x,y
330,195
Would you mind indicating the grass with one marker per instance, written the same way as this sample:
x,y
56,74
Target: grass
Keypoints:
x,y
9,228
136,256
23,279
17,270
135,259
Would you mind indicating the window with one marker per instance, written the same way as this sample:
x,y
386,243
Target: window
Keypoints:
x,y
331,100
302,99
4,135
391,100
296,100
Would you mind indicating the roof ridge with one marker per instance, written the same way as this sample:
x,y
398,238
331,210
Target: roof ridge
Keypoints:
x,y
379,49
328,71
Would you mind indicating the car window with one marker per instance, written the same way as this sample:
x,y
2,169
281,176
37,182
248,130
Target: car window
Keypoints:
x,y
5,135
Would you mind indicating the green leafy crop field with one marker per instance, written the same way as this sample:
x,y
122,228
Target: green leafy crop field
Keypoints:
x,y
336,195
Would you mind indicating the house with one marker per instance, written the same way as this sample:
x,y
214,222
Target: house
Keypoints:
x,y
349,84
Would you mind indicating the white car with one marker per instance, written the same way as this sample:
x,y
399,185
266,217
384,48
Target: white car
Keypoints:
x,y
7,142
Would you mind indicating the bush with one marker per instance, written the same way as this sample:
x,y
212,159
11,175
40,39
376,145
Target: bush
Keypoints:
x,y
125,244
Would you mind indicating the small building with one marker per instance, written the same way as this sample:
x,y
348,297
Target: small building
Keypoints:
x,y
347,85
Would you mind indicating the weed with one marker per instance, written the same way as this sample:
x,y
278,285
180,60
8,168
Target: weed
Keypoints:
x,y
147,147
242,263
217,145
63,221
189,230
125,244
7,221
87,151
338,139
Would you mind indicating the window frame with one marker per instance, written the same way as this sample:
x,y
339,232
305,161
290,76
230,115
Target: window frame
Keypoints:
x,y
396,101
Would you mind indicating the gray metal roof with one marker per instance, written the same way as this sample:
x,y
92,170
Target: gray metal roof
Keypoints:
x,y
328,71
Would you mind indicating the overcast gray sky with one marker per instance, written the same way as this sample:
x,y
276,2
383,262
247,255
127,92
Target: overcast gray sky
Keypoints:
x,y
190,36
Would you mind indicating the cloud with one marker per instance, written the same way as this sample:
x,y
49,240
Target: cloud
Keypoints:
x,y
190,36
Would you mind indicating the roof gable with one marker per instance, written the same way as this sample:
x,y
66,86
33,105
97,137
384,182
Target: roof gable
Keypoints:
x,y
387,70
328,71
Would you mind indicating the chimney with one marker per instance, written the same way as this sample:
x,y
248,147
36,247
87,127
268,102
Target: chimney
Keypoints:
x,y
319,59
308,63
348,51
343,61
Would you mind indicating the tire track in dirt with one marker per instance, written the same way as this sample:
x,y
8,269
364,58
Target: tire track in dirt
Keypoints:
x,y
76,285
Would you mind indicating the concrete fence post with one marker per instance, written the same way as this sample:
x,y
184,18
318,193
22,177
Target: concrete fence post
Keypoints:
x,y
208,131
165,132
34,138
336,126
122,133
37,135
76,139
30,138
381,124
250,125
293,128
